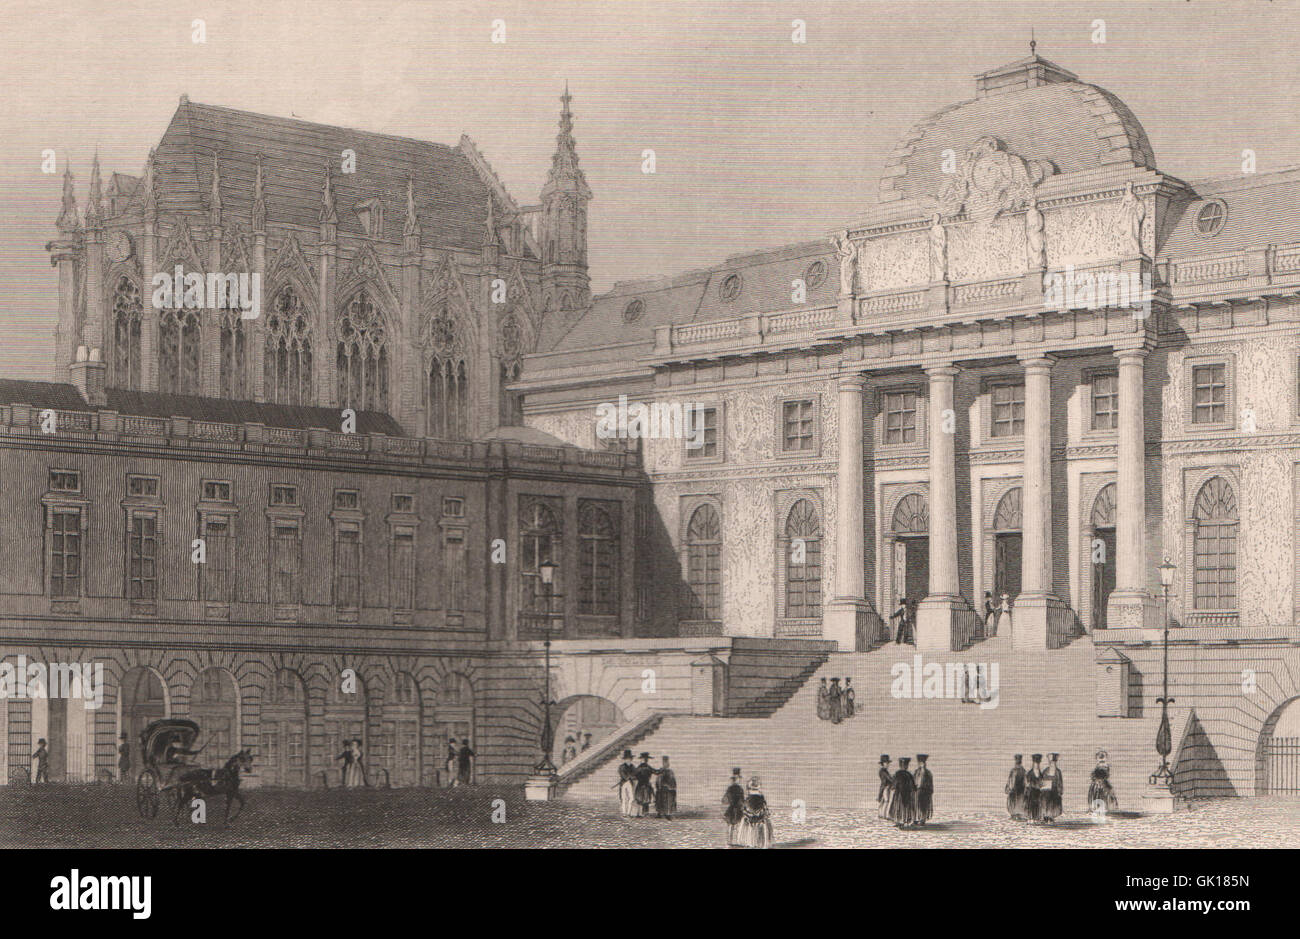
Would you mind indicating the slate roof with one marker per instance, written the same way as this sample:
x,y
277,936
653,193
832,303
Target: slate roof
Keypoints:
x,y
64,396
1261,211
450,195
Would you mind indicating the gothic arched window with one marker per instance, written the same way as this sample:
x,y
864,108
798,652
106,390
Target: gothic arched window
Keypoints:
x,y
234,356
446,380
127,314
598,548
287,357
179,354
704,565
803,562
1215,546
362,356
539,536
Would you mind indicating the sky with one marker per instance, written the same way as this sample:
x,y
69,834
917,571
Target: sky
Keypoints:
x,y
759,140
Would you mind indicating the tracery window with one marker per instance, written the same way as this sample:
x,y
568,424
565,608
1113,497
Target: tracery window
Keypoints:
x,y
179,353
1215,546
287,372
362,358
598,548
127,314
803,562
704,565
446,381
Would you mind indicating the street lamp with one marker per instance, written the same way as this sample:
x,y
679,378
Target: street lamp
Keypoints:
x,y
1164,742
546,570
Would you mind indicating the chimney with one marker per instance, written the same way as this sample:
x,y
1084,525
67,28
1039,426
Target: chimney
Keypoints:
x,y
88,374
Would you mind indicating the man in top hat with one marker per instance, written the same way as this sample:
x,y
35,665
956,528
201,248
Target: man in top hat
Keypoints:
x,y
42,758
901,615
645,791
902,808
850,698
924,790
626,785
1034,789
837,702
734,812
666,791
570,749
885,794
1053,789
586,742
1015,789
123,758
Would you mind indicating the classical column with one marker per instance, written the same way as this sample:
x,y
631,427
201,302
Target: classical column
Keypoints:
x,y
1130,601
1036,603
934,615
849,607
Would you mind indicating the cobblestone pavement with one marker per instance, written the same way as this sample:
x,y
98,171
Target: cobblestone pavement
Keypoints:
x,y
105,816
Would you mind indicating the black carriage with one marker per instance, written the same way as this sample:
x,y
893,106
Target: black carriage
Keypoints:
x,y
161,744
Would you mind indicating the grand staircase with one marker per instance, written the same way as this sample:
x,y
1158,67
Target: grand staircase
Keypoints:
x,y
1046,703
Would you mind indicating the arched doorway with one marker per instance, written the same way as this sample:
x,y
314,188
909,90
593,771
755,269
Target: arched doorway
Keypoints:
x,y
284,731
1277,758
911,532
143,700
1101,553
346,719
214,705
401,726
584,714
453,716
1007,545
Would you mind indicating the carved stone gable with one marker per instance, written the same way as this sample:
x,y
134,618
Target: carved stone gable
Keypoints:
x,y
990,181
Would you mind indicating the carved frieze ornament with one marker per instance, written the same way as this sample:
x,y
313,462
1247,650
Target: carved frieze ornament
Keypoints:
x,y
848,254
938,249
991,181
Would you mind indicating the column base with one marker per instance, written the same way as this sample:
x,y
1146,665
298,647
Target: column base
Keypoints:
x,y
1160,799
1031,620
934,617
1132,608
845,621
540,788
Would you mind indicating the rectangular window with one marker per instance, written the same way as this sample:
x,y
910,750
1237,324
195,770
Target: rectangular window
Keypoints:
x,y
285,561
284,495
402,568
453,508
65,553
900,417
216,490
1008,410
455,568
215,581
1209,394
142,556
403,502
347,567
797,426
1105,402
706,432
346,499
65,481
142,486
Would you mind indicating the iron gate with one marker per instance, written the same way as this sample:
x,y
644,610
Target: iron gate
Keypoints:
x,y
1282,765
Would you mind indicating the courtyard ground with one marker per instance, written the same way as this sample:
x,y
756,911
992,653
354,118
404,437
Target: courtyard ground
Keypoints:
x,y
101,816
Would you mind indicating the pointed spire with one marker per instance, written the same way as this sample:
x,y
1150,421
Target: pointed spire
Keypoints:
x,y
328,213
94,206
259,199
68,220
214,203
565,175
412,226
148,186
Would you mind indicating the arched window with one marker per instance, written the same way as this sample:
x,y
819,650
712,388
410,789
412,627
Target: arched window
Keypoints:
x,y
1215,561
362,356
287,357
1008,516
1103,508
127,313
803,562
179,352
539,535
598,549
912,516
234,356
448,397
704,565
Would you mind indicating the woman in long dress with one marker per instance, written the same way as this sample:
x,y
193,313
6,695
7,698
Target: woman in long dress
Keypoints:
x,y
1004,616
902,807
823,701
1101,794
357,770
1053,785
756,828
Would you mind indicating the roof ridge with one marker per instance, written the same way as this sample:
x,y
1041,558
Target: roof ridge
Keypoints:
x,y
300,120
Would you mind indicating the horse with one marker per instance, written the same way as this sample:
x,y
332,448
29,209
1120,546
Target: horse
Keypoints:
x,y
206,783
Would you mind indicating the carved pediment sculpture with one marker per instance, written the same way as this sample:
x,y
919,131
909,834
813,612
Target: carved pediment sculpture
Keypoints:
x,y
990,181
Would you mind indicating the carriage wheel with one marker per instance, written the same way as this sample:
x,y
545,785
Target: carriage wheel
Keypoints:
x,y
146,794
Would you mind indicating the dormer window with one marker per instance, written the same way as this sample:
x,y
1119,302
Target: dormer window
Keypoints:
x,y
371,214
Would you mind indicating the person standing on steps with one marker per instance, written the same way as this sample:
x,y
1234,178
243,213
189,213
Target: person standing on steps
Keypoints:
x,y
586,742
733,801
902,807
570,750
626,785
1053,789
990,616
823,701
836,702
924,790
900,614
1015,789
1034,789
1004,615
850,698
885,795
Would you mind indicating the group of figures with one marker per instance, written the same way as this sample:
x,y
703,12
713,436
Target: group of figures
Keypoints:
x,y
354,767
906,797
834,703
641,786
996,613
749,820
1035,794
571,751
460,762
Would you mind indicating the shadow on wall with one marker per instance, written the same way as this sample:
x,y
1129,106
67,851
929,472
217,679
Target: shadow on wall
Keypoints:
x,y
661,589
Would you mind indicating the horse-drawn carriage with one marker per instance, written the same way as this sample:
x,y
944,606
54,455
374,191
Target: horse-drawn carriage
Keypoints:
x,y
163,746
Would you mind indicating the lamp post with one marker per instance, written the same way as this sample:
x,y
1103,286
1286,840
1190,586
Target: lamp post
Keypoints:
x,y
1164,776
546,569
